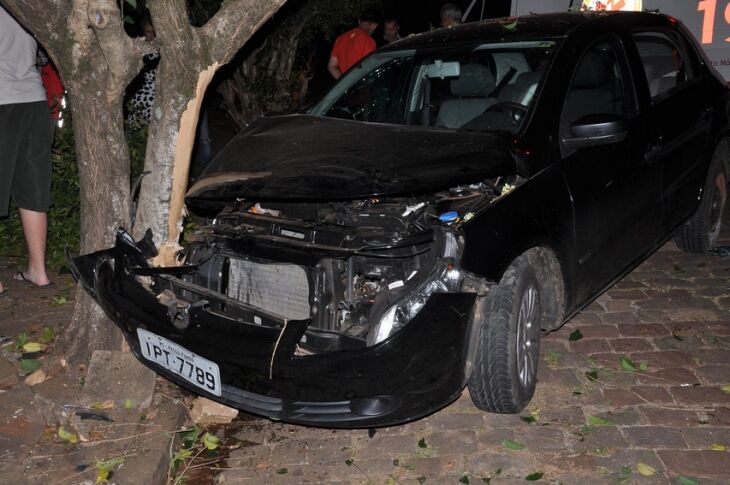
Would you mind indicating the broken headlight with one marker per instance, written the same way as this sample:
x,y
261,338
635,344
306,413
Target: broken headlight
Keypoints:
x,y
445,278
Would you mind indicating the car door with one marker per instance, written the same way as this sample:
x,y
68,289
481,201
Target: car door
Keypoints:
x,y
615,191
680,114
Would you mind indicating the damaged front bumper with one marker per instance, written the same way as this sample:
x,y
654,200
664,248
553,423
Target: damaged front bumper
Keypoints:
x,y
414,372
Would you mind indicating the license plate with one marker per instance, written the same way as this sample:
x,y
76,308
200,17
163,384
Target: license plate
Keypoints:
x,y
179,360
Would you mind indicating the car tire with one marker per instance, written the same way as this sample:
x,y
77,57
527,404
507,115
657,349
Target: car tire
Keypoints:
x,y
699,233
507,350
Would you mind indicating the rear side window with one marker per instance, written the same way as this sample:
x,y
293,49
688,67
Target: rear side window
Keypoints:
x,y
666,60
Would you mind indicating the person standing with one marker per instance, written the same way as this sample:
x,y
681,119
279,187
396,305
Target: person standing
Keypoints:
x,y
25,144
450,15
391,29
353,45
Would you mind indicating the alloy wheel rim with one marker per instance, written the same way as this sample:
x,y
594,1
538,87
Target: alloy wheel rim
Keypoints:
x,y
528,328
716,205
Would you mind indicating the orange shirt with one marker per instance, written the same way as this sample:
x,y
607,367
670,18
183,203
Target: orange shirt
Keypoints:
x,y
352,46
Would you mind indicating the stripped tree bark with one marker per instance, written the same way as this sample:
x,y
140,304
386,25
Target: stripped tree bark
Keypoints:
x,y
97,60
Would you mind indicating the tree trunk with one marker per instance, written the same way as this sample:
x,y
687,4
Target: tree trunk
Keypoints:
x,y
103,161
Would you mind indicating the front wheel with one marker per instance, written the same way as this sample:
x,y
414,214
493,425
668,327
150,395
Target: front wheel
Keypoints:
x,y
699,233
507,352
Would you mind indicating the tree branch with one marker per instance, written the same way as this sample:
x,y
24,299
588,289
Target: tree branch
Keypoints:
x,y
233,25
123,54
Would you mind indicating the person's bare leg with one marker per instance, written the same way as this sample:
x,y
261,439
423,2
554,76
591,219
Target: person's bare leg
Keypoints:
x,y
2,289
35,229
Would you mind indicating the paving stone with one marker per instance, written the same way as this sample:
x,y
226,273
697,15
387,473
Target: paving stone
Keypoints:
x,y
671,417
719,417
621,397
715,374
690,343
454,422
643,330
541,438
627,294
711,464
557,377
666,359
652,394
700,395
708,357
703,438
600,440
589,346
667,376
654,437
619,318
627,345
684,329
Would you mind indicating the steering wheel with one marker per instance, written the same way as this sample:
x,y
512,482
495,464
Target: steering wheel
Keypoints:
x,y
346,112
515,111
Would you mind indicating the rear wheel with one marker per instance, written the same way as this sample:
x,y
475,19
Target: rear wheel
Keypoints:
x,y
699,233
507,353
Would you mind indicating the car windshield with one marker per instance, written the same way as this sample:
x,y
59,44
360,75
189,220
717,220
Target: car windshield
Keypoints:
x,y
481,87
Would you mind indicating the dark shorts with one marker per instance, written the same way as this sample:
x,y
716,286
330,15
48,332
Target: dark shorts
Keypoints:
x,y
25,156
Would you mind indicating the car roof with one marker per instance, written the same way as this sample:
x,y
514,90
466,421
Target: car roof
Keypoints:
x,y
528,28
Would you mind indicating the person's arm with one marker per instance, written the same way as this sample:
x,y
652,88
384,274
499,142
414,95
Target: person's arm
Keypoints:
x,y
333,66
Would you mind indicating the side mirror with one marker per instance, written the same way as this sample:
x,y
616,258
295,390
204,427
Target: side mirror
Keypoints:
x,y
596,130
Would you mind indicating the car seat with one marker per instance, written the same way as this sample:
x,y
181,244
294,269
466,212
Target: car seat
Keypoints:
x,y
592,90
471,89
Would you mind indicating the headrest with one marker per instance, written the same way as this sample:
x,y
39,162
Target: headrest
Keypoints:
x,y
592,72
658,66
474,80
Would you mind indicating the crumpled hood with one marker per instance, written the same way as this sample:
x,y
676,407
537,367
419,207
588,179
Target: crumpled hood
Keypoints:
x,y
302,157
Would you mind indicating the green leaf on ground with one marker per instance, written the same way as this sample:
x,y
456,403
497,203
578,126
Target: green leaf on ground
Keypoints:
x,y
718,447
643,366
59,300
645,469
552,358
129,20
625,474
725,389
48,335
596,421
66,435
592,375
128,404
20,340
686,481
528,419
349,462
30,365
133,3
33,347
422,443
464,480
421,480
210,441
628,364
575,336
105,467
513,445
282,471
677,337
533,477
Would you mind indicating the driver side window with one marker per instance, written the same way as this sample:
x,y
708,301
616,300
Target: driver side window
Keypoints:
x,y
598,86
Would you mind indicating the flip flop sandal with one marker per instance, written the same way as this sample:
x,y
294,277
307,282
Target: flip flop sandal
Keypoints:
x,y
20,276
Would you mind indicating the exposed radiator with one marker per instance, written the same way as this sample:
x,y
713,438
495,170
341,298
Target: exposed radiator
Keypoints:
x,y
281,289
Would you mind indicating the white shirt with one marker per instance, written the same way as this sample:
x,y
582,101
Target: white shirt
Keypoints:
x,y
20,80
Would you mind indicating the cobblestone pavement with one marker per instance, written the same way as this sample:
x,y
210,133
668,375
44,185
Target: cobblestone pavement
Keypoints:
x,y
664,412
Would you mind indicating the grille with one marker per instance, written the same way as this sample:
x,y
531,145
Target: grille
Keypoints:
x,y
281,289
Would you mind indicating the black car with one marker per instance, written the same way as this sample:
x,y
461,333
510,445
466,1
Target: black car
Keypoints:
x,y
453,196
